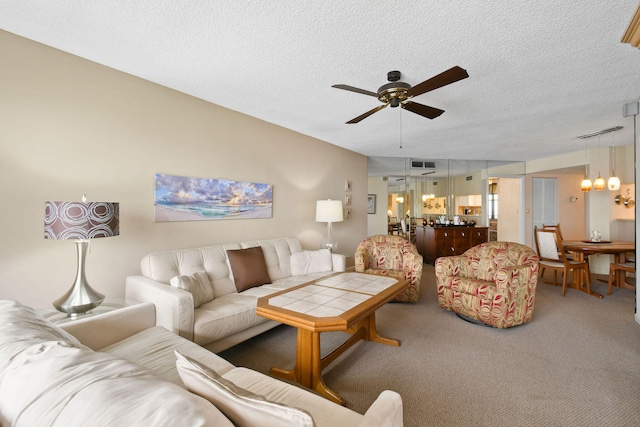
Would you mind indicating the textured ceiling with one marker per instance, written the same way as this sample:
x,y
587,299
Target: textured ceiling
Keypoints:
x,y
541,73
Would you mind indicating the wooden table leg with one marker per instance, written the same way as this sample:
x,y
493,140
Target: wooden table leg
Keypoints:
x,y
371,332
309,365
579,277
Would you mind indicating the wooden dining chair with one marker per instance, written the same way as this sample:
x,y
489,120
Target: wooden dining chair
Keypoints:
x,y
547,243
617,268
558,230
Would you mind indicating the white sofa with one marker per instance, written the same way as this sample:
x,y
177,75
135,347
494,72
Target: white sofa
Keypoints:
x,y
230,317
118,368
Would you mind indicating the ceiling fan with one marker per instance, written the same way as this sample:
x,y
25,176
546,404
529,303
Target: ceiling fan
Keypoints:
x,y
397,93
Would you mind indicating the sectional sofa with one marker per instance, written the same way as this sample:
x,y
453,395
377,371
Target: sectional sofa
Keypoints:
x,y
118,368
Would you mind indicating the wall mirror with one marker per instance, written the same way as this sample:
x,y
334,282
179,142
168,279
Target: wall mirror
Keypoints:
x,y
434,188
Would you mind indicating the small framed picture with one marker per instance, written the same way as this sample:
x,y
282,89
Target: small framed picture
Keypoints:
x,y
347,212
347,199
371,203
347,185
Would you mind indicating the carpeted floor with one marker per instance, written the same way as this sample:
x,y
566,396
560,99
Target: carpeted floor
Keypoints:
x,y
576,364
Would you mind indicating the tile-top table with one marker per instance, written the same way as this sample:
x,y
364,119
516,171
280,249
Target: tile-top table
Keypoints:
x,y
340,302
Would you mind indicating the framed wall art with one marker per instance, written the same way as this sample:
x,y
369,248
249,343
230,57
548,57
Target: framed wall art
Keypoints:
x,y
182,198
371,203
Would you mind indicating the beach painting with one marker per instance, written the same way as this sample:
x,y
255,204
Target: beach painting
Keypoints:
x,y
182,198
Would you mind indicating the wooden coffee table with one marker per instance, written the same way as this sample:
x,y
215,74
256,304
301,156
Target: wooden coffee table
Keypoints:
x,y
340,302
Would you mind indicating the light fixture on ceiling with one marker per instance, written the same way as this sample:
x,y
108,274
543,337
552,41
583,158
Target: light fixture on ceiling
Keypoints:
x,y
599,184
586,185
614,181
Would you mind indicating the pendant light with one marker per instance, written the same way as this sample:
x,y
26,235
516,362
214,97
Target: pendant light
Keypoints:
x,y
599,184
614,181
585,185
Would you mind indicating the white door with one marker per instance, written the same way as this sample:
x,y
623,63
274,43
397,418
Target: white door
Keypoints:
x,y
545,201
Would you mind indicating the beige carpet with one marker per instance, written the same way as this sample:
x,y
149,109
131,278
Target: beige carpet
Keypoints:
x,y
576,364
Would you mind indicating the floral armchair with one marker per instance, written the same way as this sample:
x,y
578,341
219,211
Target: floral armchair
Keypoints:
x,y
389,255
493,283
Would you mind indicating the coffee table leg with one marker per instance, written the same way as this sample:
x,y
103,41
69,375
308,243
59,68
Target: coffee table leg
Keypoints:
x,y
371,333
308,369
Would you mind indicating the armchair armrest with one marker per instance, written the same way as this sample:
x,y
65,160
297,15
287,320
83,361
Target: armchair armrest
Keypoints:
x,y
385,411
361,260
410,259
452,266
174,307
510,279
105,329
339,262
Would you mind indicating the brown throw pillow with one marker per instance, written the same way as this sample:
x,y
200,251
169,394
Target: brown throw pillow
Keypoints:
x,y
248,267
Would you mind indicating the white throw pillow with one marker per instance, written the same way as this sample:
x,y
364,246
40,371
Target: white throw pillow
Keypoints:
x,y
307,262
241,406
199,286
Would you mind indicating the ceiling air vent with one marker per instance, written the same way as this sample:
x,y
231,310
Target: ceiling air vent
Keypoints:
x,y
422,164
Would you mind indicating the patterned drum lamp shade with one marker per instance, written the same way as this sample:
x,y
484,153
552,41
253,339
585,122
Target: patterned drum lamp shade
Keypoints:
x,y
80,221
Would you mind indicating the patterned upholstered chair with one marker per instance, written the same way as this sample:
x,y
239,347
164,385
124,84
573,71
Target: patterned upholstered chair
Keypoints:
x,y
493,283
389,255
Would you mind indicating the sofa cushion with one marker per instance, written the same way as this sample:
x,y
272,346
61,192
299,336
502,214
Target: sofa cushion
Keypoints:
x,y
241,406
21,327
248,267
323,411
198,284
225,316
51,380
154,349
307,262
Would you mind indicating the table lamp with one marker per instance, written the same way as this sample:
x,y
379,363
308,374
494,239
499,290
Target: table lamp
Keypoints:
x,y
80,221
329,211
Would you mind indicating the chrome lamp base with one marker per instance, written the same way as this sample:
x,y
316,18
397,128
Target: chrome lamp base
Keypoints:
x,y
81,297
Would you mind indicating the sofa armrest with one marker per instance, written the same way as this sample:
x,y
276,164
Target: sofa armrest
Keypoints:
x,y
99,331
339,262
174,307
385,411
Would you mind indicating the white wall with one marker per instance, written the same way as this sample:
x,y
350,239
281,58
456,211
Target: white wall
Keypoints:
x,y
70,126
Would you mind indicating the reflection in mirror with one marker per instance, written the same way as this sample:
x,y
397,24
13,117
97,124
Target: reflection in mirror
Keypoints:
x,y
441,190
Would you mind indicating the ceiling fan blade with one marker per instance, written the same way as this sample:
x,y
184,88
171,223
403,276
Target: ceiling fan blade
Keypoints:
x,y
367,114
355,89
423,110
452,75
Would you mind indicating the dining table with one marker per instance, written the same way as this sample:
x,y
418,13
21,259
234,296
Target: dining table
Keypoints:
x,y
582,248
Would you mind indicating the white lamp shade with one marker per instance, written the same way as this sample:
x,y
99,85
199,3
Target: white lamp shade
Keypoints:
x,y
329,211
614,183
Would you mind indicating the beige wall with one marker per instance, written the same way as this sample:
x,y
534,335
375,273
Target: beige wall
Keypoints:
x,y
70,126
378,223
